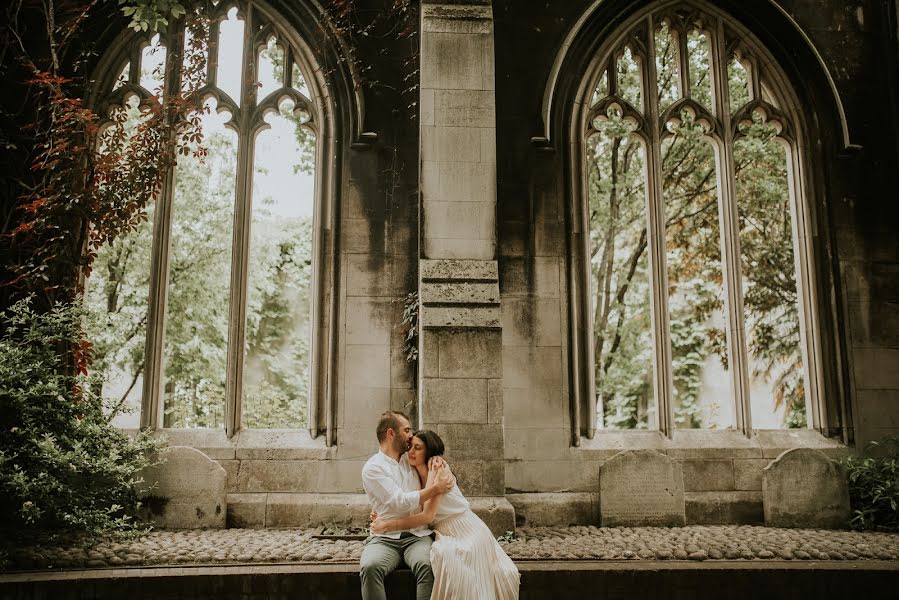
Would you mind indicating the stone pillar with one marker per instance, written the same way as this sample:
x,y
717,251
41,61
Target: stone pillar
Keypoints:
x,y
460,352
458,131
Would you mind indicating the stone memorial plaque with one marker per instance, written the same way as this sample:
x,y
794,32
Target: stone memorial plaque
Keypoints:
x,y
641,488
804,488
187,491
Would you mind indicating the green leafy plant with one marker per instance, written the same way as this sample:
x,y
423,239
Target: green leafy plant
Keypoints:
x,y
151,15
507,537
874,486
63,467
410,322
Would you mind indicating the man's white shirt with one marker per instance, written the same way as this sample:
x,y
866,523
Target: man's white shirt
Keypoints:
x,y
393,489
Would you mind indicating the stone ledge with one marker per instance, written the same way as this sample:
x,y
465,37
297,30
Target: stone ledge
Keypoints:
x,y
462,317
459,292
261,510
450,269
553,509
707,445
265,444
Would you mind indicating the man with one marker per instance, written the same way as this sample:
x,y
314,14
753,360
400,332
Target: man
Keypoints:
x,y
394,491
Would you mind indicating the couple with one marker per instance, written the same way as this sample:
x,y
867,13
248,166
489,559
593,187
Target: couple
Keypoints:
x,y
409,487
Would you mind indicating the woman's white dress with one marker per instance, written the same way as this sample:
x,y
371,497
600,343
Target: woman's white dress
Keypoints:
x,y
467,561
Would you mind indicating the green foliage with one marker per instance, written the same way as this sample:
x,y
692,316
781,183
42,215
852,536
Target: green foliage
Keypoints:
x,y
507,537
411,306
63,466
874,486
151,15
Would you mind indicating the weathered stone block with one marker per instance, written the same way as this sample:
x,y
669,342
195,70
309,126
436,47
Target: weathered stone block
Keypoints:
x,y
552,476
472,441
441,248
231,468
364,405
639,488
548,322
496,512
368,275
723,508
268,444
458,61
518,363
495,401
401,399
465,108
518,321
187,490
459,269
214,443
805,488
547,281
449,144
461,292
748,473
458,182
334,476
539,443
429,358
368,321
246,511
479,477
708,475
470,354
368,366
876,368
552,510
311,510
455,400
463,317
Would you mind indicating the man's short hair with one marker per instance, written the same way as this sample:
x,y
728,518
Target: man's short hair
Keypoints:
x,y
389,420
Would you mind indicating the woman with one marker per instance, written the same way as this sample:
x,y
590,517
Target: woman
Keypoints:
x,y
465,558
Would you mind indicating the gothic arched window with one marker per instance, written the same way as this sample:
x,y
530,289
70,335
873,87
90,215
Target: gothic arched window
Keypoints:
x,y
697,258
205,315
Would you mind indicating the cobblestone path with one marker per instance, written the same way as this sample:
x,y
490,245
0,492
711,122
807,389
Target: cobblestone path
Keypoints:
x,y
530,543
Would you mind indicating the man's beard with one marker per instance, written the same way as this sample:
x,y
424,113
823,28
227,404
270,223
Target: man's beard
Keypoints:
x,y
400,446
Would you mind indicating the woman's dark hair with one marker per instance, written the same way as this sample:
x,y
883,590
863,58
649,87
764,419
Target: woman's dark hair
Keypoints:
x,y
433,443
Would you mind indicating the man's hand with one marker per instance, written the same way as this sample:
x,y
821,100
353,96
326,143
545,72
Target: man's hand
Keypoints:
x,y
372,516
436,462
379,526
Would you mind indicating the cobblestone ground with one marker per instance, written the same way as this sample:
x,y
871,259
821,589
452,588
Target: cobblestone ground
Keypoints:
x,y
531,543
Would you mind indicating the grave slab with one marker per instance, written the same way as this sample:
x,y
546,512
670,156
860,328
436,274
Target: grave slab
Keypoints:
x,y
804,488
186,491
641,488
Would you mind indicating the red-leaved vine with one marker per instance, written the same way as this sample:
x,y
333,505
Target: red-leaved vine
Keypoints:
x,y
95,177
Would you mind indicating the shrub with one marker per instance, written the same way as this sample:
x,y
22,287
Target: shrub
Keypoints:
x,y
874,486
63,466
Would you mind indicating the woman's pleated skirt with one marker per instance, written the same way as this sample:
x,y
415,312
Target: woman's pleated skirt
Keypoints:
x,y
469,564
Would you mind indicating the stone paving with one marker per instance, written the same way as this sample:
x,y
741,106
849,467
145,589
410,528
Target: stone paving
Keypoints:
x,y
530,543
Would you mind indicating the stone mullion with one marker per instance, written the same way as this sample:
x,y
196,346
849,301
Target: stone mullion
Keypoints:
x,y
656,236
738,358
240,245
683,57
212,57
810,343
154,369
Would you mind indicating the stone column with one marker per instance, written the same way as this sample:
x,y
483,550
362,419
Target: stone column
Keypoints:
x,y
460,358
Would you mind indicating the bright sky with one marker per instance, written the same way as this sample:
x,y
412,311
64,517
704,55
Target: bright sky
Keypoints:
x,y
276,148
